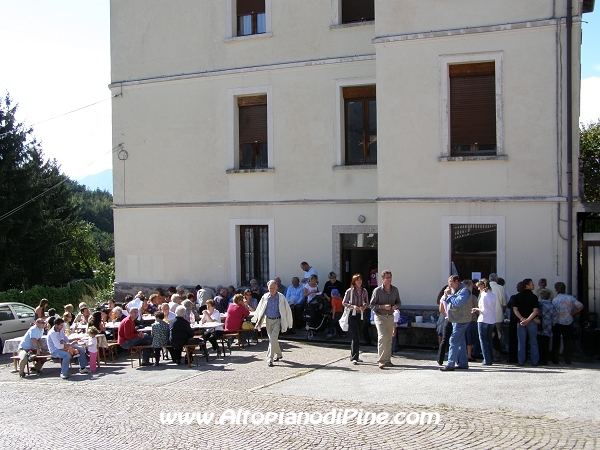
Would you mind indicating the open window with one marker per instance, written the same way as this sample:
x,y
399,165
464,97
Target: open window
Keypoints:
x,y
358,11
360,124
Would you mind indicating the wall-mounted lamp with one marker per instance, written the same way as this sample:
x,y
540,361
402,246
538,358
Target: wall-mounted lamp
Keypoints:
x,y
361,218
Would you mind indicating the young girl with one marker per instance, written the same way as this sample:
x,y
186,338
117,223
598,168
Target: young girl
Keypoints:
x,y
92,347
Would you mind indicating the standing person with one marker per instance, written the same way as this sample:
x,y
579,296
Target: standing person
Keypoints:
x,y
275,311
32,345
356,299
526,307
445,326
384,301
500,309
486,307
547,316
458,307
92,347
331,284
472,334
201,297
40,311
336,314
308,271
566,307
513,340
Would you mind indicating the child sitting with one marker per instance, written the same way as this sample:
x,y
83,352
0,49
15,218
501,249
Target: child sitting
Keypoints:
x,y
92,347
160,335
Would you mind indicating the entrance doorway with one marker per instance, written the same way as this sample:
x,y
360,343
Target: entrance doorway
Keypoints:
x,y
358,255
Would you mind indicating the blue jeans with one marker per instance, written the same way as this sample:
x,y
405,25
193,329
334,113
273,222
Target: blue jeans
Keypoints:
x,y
66,359
522,332
485,338
139,341
458,346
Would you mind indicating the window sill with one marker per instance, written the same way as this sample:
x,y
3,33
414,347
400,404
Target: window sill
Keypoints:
x,y
342,26
248,37
355,167
446,158
266,169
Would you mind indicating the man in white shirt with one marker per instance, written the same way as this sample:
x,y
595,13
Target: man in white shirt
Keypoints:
x,y
59,347
501,302
308,271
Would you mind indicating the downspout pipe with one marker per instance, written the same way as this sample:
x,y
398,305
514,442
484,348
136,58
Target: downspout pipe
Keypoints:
x,y
569,147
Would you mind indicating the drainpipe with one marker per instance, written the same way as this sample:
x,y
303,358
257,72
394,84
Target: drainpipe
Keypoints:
x,y
569,149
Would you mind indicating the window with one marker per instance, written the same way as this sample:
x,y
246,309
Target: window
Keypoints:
x,y
253,132
472,109
6,314
254,254
358,11
474,249
251,17
360,120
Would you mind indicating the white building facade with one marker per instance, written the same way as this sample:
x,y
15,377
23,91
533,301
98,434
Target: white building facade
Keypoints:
x,y
417,136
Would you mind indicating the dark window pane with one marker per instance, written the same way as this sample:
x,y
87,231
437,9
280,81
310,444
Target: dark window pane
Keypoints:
x,y
263,159
246,156
358,10
474,248
354,132
254,254
373,131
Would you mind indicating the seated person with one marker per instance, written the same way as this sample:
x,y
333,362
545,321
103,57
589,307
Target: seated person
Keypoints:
x,y
59,347
129,337
250,302
160,335
32,345
211,314
236,313
118,314
295,297
181,334
169,316
221,301
190,311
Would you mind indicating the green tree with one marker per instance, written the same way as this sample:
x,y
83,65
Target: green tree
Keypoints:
x,y
589,145
38,221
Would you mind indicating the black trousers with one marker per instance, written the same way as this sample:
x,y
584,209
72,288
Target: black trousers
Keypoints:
x,y
544,349
354,325
566,331
446,333
297,311
513,342
212,336
366,327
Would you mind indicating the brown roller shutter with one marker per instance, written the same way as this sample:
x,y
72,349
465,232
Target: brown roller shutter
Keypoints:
x,y
246,7
253,124
472,104
359,91
358,10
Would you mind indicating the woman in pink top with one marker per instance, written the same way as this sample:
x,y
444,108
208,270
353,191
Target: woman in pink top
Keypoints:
x,y
236,313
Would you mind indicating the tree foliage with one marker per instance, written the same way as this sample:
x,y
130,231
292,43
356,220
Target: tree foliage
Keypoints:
x,y
46,237
590,161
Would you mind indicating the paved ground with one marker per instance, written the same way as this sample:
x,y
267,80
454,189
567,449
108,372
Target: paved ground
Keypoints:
x,y
120,407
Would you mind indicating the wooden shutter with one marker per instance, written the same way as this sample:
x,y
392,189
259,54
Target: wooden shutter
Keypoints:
x,y
247,7
359,92
472,104
253,119
358,10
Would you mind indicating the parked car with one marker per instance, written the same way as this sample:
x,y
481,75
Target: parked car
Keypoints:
x,y
15,320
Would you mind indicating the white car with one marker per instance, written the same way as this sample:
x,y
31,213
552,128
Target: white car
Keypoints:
x,y
15,320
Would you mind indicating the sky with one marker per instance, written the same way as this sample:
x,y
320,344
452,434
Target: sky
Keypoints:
x,y
56,58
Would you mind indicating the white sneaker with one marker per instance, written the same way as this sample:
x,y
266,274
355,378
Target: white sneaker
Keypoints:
x,y
64,377
84,370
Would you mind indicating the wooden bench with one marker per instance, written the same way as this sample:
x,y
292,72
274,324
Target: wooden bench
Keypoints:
x,y
239,334
43,358
137,349
190,352
111,350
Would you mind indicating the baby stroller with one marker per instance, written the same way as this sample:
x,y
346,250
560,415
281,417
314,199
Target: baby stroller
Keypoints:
x,y
316,314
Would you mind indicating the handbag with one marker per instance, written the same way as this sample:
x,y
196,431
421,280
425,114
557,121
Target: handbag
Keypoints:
x,y
343,322
247,326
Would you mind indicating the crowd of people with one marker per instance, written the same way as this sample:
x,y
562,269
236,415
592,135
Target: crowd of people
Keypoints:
x,y
472,314
469,326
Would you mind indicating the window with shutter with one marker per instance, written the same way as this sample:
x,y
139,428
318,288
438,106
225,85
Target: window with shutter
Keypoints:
x,y
360,122
254,254
251,17
472,109
253,132
358,10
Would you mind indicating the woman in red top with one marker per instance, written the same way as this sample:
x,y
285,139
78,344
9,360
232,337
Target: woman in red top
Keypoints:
x,y
236,313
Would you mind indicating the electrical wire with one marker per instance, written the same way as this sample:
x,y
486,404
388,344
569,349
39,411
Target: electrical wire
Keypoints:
x,y
18,208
